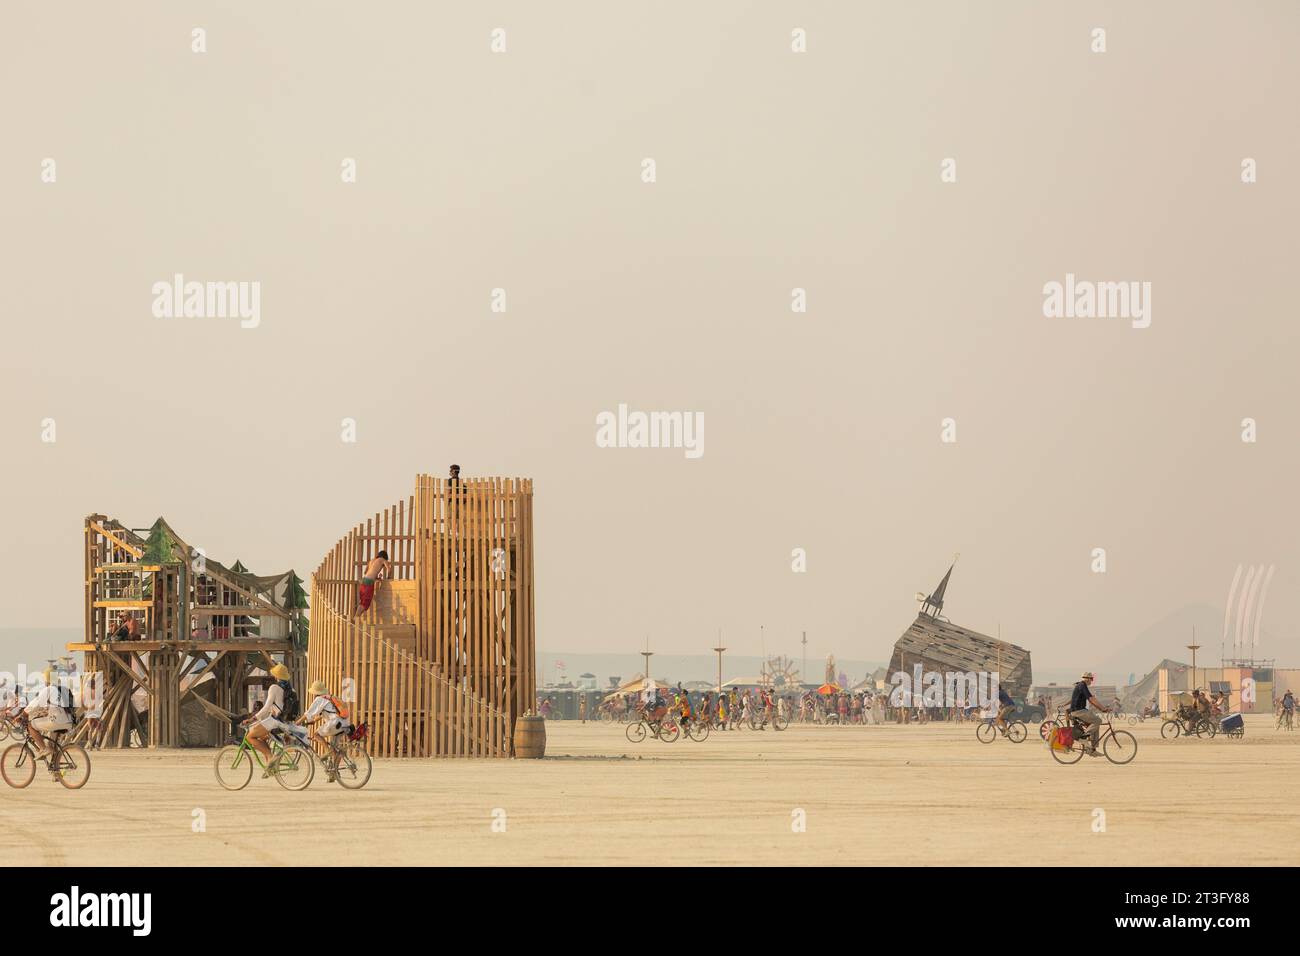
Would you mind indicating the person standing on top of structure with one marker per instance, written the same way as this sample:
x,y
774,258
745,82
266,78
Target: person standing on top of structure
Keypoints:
x,y
376,570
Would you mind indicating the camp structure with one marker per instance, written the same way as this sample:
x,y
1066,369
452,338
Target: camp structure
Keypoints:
x,y
938,645
201,637
443,662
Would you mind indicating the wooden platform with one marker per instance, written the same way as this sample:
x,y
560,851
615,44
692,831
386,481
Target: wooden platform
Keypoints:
x,y
395,603
127,647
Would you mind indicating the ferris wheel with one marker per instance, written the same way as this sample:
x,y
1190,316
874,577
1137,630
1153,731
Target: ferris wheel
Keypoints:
x,y
779,673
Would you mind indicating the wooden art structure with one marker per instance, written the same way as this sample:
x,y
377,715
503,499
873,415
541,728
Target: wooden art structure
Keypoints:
x,y
204,636
938,645
443,662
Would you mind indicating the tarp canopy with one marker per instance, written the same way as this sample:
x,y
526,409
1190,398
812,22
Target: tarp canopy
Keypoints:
x,y
638,685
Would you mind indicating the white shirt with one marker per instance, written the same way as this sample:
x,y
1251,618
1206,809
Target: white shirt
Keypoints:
x,y
320,707
273,706
46,701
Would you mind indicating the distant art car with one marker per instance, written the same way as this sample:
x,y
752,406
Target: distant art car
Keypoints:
x,y
1028,712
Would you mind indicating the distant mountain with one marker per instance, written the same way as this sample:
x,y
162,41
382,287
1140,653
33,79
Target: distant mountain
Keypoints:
x,y
1169,637
680,667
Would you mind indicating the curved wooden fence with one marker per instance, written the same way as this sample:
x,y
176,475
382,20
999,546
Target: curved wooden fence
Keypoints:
x,y
442,664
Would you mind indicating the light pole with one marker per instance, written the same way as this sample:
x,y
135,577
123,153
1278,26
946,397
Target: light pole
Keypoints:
x,y
803,674
719,649
647,654
1193,647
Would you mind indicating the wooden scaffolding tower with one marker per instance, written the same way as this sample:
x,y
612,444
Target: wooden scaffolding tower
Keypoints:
x,y
202,632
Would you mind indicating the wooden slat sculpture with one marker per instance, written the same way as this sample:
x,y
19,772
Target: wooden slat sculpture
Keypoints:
x,y
442,662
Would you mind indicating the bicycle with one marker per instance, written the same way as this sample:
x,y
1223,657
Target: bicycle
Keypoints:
x,y
69,764
1052,723
348,763
1285,718
292,765
1118,746
664,728
1187,726
760,721
986,730
697,729
10,727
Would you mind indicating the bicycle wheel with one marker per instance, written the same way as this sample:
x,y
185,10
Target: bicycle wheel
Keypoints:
x,y
1205,728
985,732
354,767
294,767
779,723
234,767
1073,755
1017,731
636,732
73,767
1170,729
1120,746
669,731
1046,727
699,731
18,765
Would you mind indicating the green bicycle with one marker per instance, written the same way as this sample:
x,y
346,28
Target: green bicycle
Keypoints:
x,y
292,765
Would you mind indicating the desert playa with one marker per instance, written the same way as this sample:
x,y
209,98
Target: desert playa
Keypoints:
x,y
879,795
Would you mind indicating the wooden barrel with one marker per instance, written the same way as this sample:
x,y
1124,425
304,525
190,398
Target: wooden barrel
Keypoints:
x,y
530,737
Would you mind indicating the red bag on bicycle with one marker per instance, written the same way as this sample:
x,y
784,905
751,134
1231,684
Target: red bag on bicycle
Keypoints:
x,y
1062,738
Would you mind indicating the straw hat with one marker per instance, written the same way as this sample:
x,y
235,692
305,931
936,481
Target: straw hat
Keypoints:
x,y
318,687
280,672
1088,675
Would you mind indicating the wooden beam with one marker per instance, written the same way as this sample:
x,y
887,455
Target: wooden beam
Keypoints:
x,y
130,548
131,673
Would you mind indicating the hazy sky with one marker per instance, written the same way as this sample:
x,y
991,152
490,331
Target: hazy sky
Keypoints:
x,y
775,170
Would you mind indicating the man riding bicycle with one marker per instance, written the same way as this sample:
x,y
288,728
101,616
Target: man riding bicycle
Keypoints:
x,y
1288,707
1080,699
48,712
326,711
1005,707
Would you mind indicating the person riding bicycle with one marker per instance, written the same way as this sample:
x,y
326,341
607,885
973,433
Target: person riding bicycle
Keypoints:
x,y
1288,707
684,707
1080,699
1005,707
658,707
49,712
268,719
1202,702
327,711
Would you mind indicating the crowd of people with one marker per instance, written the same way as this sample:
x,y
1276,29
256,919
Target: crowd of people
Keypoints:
x,y
736,706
